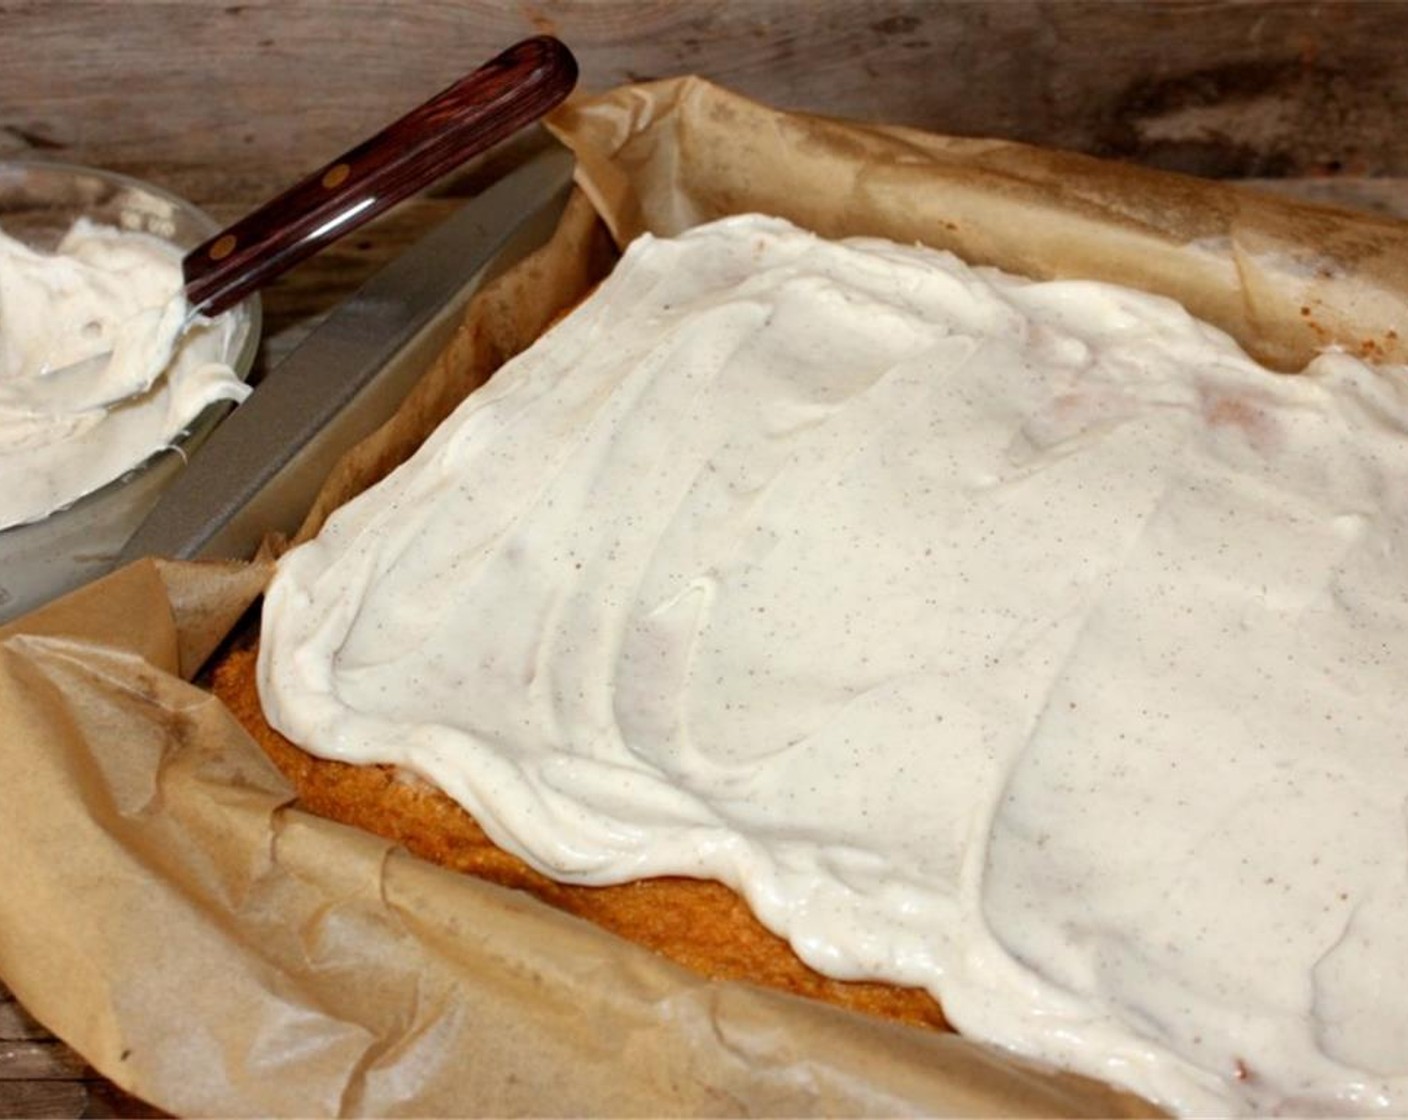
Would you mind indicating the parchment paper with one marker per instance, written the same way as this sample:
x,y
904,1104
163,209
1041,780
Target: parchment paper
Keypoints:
x,y
212,948
1284,278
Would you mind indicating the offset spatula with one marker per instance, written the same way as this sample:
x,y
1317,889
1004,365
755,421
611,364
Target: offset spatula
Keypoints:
x,y
502,96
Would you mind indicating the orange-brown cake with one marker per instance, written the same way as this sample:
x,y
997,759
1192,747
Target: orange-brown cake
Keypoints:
x,y
700,924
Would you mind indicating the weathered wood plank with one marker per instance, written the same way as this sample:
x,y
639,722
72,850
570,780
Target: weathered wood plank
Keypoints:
x,y
16,1024
106,1100
40,1060
43,1099
225,101
69,1099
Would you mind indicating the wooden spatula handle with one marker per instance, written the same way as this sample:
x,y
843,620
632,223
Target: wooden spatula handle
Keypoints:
x,y
492,103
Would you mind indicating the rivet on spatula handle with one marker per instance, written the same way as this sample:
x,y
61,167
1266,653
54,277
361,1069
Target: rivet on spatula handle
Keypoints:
x,y
488,105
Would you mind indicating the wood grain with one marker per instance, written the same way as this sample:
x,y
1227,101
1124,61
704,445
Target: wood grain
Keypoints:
x,y
227,102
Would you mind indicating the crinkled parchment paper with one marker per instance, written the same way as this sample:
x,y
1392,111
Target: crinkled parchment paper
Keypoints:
x,y
166,908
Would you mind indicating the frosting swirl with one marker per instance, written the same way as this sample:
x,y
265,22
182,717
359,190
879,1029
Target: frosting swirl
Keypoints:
x,y
1023,641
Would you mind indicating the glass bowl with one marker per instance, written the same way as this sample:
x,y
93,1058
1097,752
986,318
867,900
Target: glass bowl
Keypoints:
x,y
39,201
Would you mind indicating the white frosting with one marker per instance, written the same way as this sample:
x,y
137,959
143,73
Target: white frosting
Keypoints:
x,y
103,290
1023,641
